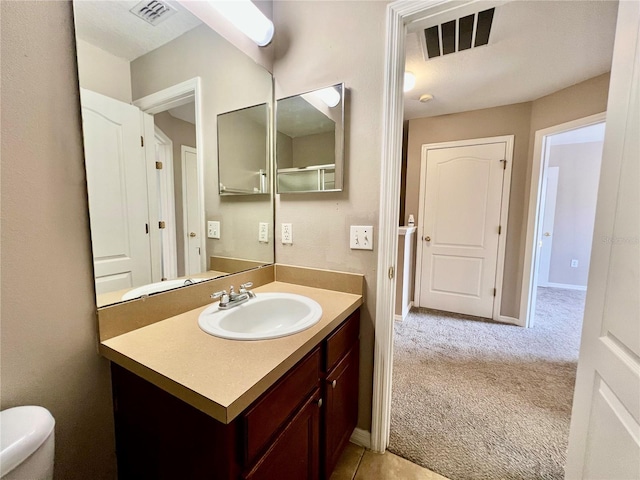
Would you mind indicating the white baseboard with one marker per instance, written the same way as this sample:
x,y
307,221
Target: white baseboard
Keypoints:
x,y
566,286
362,438
405,312
509,320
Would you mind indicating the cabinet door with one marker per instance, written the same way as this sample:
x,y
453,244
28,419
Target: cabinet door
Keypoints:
x,y
295,454
341,407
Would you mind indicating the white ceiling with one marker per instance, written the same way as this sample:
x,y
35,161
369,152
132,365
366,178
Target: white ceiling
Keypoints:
x,y
186,112
110,26
535,48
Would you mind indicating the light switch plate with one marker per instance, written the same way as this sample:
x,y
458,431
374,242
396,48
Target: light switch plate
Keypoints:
x,y
361,237
287,233
263,232
213,229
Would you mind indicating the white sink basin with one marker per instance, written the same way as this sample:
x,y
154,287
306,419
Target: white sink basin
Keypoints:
x,y
268,315
160,287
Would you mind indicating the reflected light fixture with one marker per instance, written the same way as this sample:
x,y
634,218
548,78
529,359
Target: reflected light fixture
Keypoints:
x,y
330,96
426,97
247,18
409,81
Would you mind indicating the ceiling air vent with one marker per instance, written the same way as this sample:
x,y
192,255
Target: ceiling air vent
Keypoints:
x,y
153,11
460,34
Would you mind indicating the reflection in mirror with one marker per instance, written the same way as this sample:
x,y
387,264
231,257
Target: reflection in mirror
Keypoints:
x,y
310,141
151,93
243,151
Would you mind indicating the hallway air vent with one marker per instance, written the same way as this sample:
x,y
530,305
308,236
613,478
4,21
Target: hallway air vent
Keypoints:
x,y
153,11
460,34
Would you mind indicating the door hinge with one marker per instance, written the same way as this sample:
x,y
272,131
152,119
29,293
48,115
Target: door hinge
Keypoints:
x,y
495,292
158,165
499,229
391,273
161,225
141,141
146,228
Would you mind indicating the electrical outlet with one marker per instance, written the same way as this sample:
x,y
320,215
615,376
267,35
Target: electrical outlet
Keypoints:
x,y
287,233
574,263
213,229
361,237
263,232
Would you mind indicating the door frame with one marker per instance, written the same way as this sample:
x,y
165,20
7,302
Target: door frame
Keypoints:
x,y
185,213
167,194
504,214
544,203
530,267
175,96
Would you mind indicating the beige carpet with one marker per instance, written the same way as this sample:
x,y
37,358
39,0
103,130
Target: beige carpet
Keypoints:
x,y
479,400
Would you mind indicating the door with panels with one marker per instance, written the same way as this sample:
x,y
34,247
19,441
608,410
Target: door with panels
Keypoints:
x,y
461,212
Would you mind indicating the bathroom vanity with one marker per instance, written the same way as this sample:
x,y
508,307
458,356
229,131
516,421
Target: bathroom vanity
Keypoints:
x,y
191,405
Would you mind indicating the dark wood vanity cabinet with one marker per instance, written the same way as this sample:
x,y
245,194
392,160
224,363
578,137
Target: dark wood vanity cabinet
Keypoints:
x,y
296,430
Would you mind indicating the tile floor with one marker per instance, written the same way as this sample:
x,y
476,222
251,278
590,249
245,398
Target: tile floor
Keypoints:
x,y
357,463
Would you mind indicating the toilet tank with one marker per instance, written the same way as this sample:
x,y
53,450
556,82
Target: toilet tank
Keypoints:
x,y
26,443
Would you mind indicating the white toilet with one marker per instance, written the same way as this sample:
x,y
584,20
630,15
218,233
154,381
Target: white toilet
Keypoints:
x,y
27,443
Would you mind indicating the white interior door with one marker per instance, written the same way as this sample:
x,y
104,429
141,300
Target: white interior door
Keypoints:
x,y
460,228
604,440
117,187
191,206
545,241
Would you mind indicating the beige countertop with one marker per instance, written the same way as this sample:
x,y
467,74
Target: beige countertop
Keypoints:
x,y
222,377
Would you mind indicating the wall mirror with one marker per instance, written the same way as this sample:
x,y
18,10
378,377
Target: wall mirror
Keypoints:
x,y
243,151
310,141
154,83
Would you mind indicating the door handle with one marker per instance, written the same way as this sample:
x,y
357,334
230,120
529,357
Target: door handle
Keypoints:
x,y
192,234
547,234
427,239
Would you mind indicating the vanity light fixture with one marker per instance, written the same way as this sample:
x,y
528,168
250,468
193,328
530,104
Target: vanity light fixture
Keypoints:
x,y
247,18
409,81
426,97
330,96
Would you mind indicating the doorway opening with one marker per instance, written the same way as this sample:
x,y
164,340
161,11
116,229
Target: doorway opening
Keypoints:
x,y
562,204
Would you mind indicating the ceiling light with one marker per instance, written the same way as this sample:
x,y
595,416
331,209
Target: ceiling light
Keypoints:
x,y
330,96
426,97
409,81
247,18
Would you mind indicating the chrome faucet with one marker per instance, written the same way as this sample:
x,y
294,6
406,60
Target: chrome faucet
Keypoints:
x,y
233,299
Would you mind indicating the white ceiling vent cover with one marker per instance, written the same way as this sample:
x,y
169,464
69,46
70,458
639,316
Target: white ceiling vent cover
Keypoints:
x,y
153,11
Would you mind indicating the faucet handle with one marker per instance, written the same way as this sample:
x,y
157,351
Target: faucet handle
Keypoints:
x,y
246,285
218,294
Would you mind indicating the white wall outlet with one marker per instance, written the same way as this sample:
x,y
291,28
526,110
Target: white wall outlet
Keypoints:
x,y
263,232
213,229
361,237
574,263
287,233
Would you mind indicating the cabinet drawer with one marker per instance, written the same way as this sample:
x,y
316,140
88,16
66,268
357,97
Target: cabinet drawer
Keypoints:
x,y
341,341
271,411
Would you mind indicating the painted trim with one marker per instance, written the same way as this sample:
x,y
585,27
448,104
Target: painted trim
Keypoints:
x,y
361,437
167,194
399,15
509,320
566,286
405,311
175,96
527,303
504,211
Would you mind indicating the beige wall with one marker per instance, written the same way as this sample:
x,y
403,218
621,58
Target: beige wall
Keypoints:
x,y
522,120
490,122
103,72
180,133
319,149
309,55
49,354
575,212
230,81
